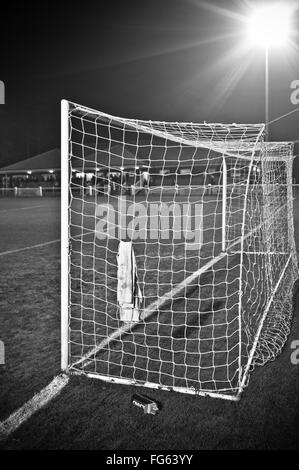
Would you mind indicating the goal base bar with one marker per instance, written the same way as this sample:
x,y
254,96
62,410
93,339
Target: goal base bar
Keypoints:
x,y
136,383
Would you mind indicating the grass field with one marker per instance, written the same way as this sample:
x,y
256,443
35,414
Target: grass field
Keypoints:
x,y
90,414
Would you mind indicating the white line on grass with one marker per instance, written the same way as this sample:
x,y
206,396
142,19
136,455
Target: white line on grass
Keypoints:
x,y
42,398
38,401
39,245
21,208
18,250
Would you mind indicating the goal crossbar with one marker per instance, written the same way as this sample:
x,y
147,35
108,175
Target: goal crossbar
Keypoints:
x,y
242,139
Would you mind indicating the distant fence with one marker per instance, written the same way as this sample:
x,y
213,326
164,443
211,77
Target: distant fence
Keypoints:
x,y
39,191
44,191
168,191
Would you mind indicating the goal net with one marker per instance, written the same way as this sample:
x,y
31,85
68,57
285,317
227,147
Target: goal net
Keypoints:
x,y
178,265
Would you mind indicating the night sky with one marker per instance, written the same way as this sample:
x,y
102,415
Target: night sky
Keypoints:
x,y
181,60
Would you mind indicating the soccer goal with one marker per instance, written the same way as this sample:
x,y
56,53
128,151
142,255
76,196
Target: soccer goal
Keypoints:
x,y
184,285
28,192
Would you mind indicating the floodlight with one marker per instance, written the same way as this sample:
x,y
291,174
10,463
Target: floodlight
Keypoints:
x,y
269,25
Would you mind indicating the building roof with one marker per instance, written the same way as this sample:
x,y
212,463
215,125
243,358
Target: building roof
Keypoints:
x,y
44,162
114,156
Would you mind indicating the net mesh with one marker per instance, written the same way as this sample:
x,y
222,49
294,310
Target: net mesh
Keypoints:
x,y
208,209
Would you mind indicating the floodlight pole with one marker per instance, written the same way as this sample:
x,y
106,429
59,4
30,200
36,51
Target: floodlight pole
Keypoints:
x,y
267,93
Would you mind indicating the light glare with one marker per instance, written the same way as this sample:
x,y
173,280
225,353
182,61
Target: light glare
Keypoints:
x,y
269,26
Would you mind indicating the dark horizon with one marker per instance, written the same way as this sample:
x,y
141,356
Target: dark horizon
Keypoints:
x,y
176,60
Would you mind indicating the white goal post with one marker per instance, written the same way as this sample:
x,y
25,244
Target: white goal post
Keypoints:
x,y
184,283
